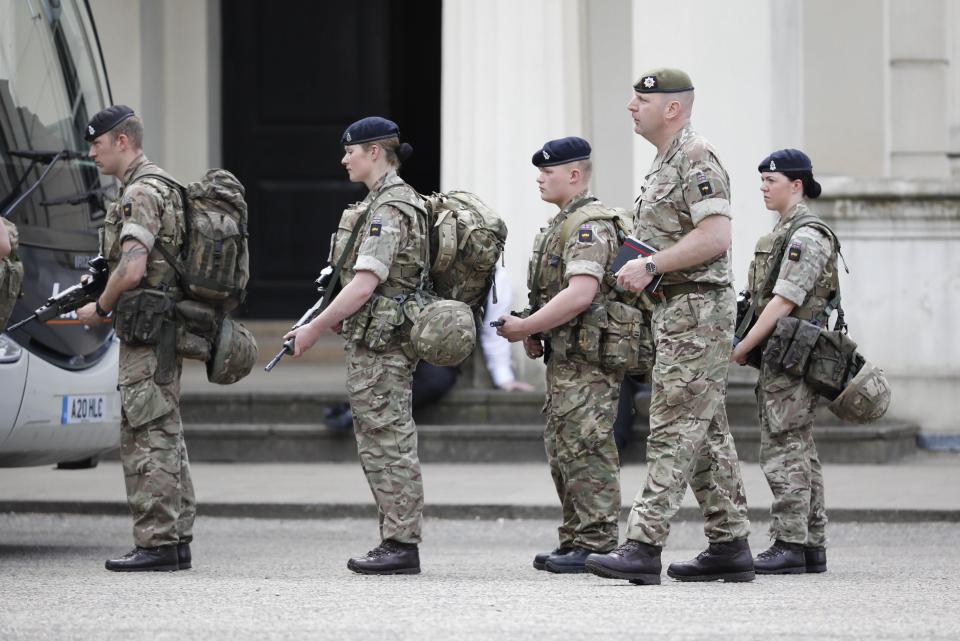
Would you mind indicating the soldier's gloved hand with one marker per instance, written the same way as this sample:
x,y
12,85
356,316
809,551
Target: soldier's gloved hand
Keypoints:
x,y
533,347
304,337
513,328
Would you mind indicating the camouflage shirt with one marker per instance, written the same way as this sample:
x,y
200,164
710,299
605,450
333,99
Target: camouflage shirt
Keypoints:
x,y
806,272
589,250
685,184
148,211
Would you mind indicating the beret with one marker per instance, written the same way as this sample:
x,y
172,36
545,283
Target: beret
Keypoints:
x,y
663,80
369,129
786,160
561,151
106,120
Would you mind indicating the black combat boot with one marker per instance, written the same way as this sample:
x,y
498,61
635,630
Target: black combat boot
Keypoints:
x,y
540,561
159,559
815,557
568,562
729,561
390,557
634,561
781,558
184,558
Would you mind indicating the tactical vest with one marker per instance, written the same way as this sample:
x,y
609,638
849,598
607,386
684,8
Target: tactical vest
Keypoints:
x,y
768,257
159,273
11,275
380,322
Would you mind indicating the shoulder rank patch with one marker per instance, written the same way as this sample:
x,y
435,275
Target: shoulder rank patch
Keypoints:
x,y
585,234
127,210
794,252
703,184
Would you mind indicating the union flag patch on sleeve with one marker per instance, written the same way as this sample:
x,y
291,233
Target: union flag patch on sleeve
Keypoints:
x,y
585,235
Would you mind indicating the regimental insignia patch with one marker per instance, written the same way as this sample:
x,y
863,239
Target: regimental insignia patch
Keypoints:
x,y
794,252
585,235
127,210
375,229
703,185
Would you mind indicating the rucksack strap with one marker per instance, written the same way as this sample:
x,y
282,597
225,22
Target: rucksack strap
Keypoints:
x,y
173,261
534,289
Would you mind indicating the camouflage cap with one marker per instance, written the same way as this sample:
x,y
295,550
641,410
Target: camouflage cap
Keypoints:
x,y
663,80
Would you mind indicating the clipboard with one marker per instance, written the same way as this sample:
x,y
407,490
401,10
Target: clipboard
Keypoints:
x,y
631,249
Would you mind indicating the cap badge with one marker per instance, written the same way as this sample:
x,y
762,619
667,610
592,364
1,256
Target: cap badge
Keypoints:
x,y
650,82
773,166
90,129
348,136
546,156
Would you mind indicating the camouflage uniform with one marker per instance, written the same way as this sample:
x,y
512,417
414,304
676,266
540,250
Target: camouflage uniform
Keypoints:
x,y
582,397
690,441
11,275
787,404
152,449
391,245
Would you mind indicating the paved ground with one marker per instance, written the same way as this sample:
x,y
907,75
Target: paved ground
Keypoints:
x,y
265,579
914,490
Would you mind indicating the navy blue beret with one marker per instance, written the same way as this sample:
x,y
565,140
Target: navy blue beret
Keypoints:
x,y
369,129
106,120
786,160
561,151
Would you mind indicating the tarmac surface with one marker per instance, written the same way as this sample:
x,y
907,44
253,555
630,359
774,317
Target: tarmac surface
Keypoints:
x,y
269,579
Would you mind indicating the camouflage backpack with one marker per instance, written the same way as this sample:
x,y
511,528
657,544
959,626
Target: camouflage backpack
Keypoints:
x,y
214,265
11,276
466,241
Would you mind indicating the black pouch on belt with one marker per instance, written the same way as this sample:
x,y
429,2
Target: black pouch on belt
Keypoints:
x,y
140,315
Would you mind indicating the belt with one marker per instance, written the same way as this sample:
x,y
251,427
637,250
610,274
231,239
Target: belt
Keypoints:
x,y
681,289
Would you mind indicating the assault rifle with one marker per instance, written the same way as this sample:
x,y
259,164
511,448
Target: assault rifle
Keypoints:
x,y
72,298
741,330
326,274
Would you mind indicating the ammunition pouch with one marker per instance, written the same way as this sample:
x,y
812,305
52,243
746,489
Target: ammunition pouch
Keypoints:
x,y
140,315
196,329
627,343
377,324
824,359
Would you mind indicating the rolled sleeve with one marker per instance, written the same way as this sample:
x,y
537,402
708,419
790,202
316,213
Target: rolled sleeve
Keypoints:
x,y
583,268
798,276
369,263
139,233
792,292
709,207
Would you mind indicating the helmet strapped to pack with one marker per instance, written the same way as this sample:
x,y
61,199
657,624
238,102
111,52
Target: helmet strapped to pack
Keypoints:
x,y
444,333
234,353
865,398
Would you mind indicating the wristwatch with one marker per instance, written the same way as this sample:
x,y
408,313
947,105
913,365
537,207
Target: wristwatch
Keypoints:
x,y
650,266
101,312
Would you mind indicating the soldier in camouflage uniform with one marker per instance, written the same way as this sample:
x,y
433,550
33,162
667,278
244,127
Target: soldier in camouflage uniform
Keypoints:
x,y
147,213
380,250
684,211
806,281
11,270
566,281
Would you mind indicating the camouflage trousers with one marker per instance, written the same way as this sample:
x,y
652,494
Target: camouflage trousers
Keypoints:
x,y
690,441
153,451
788,456
379,386
581,408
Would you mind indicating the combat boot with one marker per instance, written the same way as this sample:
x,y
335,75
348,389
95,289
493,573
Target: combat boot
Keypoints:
x,y
184,558
781,558
159,559
390,557
568,562
730,561
634,561
815,558
540,561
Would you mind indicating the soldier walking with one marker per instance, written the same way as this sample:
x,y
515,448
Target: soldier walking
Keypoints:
x,y
566,282
142,288
684,212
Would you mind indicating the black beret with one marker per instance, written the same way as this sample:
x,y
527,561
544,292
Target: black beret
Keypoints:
x,y
106,120
369,129
663,80
561,151
786,160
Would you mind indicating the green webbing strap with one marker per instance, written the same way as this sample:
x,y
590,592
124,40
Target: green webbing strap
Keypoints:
x,y
532,295
167,255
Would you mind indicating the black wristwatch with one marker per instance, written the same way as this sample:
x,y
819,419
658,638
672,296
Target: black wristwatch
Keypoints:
x,y
651,267
102,313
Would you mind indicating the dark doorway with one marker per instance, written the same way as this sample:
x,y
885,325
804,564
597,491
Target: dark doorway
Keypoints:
x,y
295,74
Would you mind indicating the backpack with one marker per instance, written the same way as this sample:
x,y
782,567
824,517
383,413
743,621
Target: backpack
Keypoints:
x,y
466,241
11,276
214,264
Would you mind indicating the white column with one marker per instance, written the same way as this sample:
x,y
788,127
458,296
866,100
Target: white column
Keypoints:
x,y
953,111
510,82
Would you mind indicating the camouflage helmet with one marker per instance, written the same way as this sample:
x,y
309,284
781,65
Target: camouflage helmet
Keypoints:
x,y
865,398
444,333
234,353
